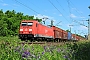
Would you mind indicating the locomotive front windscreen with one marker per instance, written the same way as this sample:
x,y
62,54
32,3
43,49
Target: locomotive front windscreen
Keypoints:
x,y
27,23
24,23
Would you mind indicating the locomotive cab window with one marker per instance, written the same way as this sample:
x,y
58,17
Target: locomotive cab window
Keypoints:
x,y
29,23
24,23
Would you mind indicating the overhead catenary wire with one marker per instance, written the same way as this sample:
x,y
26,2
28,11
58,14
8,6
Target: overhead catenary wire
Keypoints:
x,y
36,11
60,6
64,9
68,1
27,7
36,6
71,4
57,10
69,9
44,18
58,23
30,8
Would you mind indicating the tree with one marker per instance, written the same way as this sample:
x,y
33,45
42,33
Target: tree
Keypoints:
x,y
1,14
10,22
67,30
39,20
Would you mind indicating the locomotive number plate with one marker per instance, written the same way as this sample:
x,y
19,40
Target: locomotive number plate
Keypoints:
x,y
25,29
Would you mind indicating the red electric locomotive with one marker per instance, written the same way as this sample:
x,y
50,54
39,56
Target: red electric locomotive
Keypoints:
x,y
32,29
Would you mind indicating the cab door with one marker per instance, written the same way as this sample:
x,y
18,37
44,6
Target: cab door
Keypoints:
x,y
37,29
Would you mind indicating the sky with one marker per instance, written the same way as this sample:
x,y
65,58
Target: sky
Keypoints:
x,y
64,13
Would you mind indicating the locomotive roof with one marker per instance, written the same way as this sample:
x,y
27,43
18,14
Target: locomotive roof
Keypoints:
x,y
28,20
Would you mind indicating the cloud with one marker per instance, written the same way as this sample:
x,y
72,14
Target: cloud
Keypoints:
x,y
60,14
15,5
83,28
4,4
82,17
46,18
42,16
72,16
75,9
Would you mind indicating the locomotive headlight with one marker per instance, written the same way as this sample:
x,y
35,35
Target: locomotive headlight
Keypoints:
x,y
30,29
21,29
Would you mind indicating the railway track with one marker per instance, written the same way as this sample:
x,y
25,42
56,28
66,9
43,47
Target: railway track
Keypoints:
x,y
42,43
32,42
45,43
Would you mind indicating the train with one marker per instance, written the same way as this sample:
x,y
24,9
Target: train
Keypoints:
x,y
33,30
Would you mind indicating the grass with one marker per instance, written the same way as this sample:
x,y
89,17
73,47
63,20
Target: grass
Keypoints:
x,y
69,51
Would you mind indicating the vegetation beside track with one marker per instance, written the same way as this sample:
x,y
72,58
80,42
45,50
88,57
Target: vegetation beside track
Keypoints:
x,y
67,51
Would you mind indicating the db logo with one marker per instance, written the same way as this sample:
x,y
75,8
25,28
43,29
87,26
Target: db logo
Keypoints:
x,y
46,31
25,29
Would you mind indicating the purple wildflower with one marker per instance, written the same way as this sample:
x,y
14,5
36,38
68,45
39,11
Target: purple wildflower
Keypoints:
x,y
22,49
45,47
43,53
58,50
23,44
65,56
24,55
27,52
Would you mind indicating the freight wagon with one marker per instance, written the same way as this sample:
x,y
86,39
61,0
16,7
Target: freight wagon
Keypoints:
x,y
73,37
60,34
65,35
69,36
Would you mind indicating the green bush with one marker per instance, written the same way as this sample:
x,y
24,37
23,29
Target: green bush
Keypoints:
x,y
79,51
